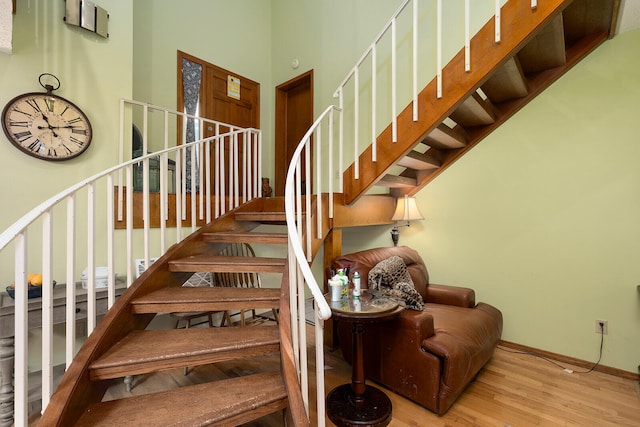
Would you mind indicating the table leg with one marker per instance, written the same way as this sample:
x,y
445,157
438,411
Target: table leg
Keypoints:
x,y
358,384
7,352
356,404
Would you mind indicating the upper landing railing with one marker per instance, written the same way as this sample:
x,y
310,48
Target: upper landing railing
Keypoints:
x,y
83,225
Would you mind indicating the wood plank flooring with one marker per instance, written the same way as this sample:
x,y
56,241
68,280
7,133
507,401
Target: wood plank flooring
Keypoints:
x,y
512,390
520,390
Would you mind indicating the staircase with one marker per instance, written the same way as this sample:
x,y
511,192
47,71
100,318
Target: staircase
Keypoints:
x,y
121,346
537,46
505,77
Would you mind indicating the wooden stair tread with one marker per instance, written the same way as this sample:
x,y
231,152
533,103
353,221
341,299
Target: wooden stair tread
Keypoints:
x,y
261,216
395,181
445,138
227,264
144,351
247,237
227,402
419,161
546,50
205,298
507,82
474,111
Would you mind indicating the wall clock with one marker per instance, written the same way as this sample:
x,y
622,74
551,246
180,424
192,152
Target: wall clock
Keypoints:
x,y
46,126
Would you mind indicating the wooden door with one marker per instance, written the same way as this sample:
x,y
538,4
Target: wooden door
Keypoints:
x,y
219,101
222,104
294,116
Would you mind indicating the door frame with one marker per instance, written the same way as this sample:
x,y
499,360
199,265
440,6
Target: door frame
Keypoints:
x,y
282,126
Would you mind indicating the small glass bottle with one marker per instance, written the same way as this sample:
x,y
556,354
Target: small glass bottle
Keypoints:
x,y
356,285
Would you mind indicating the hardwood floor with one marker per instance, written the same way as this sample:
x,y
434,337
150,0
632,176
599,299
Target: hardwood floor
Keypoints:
x,y
512,390
520,390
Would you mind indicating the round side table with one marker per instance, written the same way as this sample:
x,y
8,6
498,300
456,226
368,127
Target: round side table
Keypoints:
x,y
359,404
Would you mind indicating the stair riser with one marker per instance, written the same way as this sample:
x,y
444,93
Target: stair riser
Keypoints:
x,y
203,306
253,238
261,217
228,268
193,360
248,416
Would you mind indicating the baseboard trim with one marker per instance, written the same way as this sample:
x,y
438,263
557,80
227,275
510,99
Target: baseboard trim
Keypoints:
x,y
573,361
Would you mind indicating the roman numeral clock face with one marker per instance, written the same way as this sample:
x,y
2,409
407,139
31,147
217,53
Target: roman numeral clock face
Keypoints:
x,y
46,126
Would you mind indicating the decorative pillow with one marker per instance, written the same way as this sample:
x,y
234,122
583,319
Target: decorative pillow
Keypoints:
x,y
391,278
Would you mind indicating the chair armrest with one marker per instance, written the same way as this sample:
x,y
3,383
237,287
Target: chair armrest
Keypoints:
x,y
451,295
416,323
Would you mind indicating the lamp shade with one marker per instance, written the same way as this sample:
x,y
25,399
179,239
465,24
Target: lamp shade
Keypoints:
x,y
407,210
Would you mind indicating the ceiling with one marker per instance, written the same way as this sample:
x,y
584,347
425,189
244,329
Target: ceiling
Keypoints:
x,y
629,16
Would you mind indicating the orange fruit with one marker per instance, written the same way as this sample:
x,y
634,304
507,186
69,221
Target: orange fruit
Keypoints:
x,y
36,280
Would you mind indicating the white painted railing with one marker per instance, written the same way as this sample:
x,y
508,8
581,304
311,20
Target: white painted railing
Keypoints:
x,y
318,143
300,230
89,236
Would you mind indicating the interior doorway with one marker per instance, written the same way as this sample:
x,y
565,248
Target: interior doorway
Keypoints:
x,y
294,116
222,95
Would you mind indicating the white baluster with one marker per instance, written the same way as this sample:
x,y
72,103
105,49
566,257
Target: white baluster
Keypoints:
x,y
374,104
439,49
467,37
356,123
47,306
91,259
21,372
415,60
498,20
70,338
394,84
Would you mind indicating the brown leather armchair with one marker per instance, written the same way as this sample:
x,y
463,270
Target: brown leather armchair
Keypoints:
x,y
427,356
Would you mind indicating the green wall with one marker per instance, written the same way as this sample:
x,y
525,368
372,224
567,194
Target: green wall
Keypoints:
x,y
94,73
541,218
329,36
326,36
232,34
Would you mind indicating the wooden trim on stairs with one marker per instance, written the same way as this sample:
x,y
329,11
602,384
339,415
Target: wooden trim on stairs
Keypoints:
x,y
369,210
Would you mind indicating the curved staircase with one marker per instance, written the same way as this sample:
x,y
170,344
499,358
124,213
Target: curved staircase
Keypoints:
x,y
121,346
539,44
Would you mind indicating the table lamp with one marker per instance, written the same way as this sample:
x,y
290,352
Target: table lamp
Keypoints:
x,y
406,210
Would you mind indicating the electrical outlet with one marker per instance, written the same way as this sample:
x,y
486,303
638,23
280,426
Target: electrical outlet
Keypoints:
x,y
605,327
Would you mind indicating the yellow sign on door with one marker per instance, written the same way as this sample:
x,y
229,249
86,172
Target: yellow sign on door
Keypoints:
x,y
233,87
